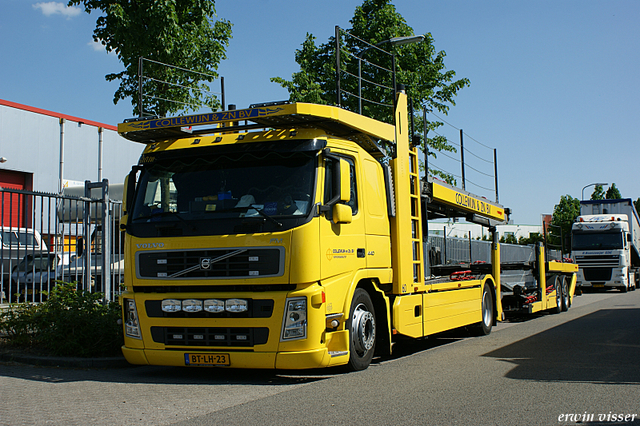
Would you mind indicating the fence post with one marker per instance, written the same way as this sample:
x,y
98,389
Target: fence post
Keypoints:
x,y
106,241
86,225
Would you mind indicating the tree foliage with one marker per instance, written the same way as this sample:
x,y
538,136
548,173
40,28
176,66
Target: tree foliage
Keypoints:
x,y
564,214
613,193
533,238
419,67
598,193
71,322
508,239
174,32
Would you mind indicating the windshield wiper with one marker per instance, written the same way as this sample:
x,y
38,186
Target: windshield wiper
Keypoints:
x,y
168,213
261,213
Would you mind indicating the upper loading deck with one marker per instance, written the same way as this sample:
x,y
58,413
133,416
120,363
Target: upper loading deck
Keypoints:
x,y
443,200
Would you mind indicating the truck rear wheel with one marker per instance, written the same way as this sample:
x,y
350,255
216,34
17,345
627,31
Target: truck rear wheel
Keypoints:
x,y
483,328
557,284
362,331
566,300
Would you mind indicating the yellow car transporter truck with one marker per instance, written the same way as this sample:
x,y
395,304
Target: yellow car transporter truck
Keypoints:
x,y
296,246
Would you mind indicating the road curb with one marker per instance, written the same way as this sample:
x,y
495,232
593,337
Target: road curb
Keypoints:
x,y
70,362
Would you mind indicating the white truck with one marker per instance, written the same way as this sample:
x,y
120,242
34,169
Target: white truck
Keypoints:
x,y
605,244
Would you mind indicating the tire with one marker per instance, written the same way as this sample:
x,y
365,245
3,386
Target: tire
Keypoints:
x,y
623,289
566,300
557,284
483,328
362,331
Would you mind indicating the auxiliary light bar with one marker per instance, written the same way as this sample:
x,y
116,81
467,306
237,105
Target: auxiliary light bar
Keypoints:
x,y
213,306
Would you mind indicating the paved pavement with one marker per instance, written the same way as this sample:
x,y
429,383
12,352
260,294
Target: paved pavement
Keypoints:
x,y
549,365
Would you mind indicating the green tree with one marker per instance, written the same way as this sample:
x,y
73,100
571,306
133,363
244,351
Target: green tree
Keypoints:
x,y
564,214
419,67
613,193
636,203
533,238
598,193
508,239
175,32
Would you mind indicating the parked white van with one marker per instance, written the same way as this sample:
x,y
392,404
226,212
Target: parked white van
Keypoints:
x,y
16,243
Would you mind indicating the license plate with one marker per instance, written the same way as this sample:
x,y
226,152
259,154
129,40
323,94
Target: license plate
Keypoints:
x,y
598,285
207,360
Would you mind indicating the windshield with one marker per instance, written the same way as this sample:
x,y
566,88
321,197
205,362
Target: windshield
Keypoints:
x,y
228,189
18,238
37,263
597,240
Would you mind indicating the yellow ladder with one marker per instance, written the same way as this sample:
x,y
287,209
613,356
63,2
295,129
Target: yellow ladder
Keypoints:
x,y
416,220
406,226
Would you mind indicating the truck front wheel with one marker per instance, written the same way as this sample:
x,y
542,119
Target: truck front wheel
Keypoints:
x,y
362,331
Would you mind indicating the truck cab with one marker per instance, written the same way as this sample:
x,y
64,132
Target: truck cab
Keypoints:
x,y
259,233
601,247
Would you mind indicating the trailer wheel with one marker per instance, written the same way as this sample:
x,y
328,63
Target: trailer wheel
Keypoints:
x,y
483,328
566,300
557,284
362,331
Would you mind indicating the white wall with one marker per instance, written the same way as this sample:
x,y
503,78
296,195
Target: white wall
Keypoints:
x,y
462,229
30,141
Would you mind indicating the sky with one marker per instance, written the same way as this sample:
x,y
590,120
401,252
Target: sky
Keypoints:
x,y
554,85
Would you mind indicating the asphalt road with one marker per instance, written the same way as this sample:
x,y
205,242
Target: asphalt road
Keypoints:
x,y
583,363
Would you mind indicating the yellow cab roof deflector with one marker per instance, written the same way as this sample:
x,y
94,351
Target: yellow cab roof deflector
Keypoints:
x,y
365,131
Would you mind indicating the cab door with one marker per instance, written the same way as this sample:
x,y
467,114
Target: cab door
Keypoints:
x,y
342,245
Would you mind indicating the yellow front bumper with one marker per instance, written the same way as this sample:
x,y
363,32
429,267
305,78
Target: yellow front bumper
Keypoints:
x,y
316,358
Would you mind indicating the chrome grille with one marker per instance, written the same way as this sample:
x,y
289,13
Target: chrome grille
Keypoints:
x,y
605,260
210,263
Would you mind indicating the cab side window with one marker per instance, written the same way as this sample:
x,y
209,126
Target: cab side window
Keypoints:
x,y
331,184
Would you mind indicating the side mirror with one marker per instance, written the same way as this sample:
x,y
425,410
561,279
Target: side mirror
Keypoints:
x,y
342,213
79,246
129,189
341,191
125,192
345,181
127,195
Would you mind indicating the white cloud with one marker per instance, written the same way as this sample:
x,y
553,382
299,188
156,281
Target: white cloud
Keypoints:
x,y
54,8
98,47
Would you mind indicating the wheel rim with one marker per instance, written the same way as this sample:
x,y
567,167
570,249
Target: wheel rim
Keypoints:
x,y
487,311
363,328
558,293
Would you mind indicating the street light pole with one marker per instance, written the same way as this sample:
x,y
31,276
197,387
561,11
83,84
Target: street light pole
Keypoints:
x,y
592,184
394,41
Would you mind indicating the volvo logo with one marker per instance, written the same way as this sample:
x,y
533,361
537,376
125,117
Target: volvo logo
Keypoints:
x,y
205,263
150,245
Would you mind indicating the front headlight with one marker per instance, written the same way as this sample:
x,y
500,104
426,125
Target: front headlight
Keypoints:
x,y
236,305
294,324
214,306
131,323
171,305
192,305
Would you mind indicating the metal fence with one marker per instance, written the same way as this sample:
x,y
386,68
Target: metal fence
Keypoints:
x,y
448,250
49,238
